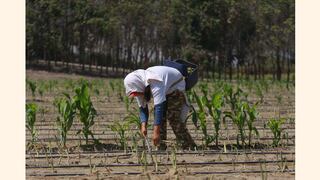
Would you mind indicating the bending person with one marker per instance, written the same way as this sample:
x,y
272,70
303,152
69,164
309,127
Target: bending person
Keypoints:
x,y
167,87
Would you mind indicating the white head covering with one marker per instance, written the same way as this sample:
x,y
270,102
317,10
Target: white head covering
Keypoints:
x,y
137,80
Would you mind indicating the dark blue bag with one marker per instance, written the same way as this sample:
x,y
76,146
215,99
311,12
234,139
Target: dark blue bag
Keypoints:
x,y
187,69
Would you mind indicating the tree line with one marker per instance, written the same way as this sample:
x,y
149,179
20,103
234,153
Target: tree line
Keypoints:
x,y
226,38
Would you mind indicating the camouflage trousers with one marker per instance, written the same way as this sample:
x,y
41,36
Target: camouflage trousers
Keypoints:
x,y
174,104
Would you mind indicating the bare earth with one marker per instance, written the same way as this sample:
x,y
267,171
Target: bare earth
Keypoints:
x,y
108,161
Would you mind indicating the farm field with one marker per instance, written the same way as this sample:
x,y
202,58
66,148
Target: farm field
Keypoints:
x,y
124,156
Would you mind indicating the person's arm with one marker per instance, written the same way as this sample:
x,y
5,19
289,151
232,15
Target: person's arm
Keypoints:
x,y
143,114
159,111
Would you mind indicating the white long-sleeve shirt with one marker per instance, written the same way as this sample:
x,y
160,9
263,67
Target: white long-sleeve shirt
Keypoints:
x,y
160,79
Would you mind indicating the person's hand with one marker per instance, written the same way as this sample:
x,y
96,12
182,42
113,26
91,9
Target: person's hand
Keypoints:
x,y
144,129
156,135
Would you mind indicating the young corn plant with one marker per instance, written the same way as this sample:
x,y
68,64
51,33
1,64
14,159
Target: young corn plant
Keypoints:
x,y
252,116
204,89
236,100
107,94
41,91
217,103
51,84
31,111
264,84
174,160
69,84
201,115
120,129
275,126
33,86
86,110
191,99
133,118
238,117
67,112
43,111
249,85
231,97
190,96
259,93
127,102
111,83
119,89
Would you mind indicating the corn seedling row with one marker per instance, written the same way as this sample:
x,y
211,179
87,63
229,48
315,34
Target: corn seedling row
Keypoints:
x,y
31,110
108,101
67,112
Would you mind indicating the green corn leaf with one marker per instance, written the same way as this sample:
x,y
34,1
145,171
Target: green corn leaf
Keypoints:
x,y
195,119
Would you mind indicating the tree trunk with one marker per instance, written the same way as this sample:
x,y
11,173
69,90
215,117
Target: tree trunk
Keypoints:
x,y
273,66
238,69
230,59
259,66
90,60
82,47
247,70
288,66
255,69
278,63
225,58
213,65
117,55
219,65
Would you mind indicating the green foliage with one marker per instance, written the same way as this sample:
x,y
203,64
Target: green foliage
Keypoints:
x,y
120,129
233,98
190,96
69,84
238,117
201,116
133,118
43,111
265,85
127,102
241,113
98,83
67,112
33,86
31,112
251,118
194,30
217,103
120,89
86,109
111,84
41,90
279,98
52,84
275,126
214,109
259,92
204,89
